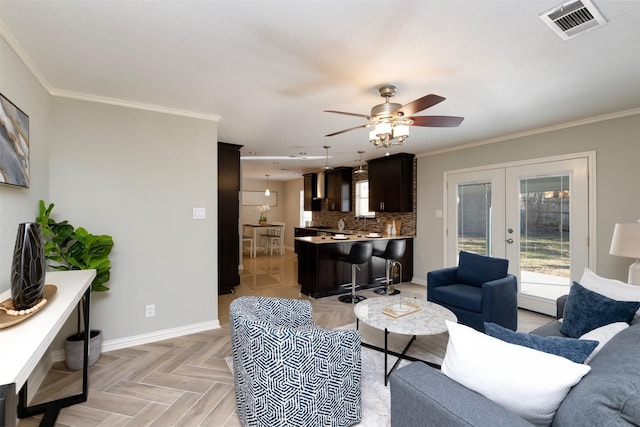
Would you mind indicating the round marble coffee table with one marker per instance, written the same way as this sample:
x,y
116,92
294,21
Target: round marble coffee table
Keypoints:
x,y
414,317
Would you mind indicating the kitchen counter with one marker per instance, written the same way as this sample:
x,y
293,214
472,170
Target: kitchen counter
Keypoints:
x,y
349,238
327,230
321,274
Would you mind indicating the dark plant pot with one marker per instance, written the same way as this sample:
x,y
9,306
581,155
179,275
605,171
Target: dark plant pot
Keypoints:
x,y
74,348
28,266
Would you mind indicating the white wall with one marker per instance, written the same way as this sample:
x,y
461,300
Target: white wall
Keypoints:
x,y
287,210
136,175
292,190
21,204
617,146
251,214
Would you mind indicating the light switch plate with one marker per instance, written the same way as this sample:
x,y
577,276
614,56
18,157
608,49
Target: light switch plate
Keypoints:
x,y
199,213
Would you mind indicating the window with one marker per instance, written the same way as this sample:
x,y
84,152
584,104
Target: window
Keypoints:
x,y
362,200
304,215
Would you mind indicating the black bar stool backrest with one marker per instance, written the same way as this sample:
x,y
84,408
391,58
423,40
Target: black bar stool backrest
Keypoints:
x,y
360,253
395,249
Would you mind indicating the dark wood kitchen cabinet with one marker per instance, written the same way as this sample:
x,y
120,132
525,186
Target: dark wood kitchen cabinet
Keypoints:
x,y
391,183
339,189
228,218
311,200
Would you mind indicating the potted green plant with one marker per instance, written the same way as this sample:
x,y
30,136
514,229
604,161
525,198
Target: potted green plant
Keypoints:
x,y
70,248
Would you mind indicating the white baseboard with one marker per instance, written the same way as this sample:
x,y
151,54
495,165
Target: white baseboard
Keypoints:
x,y
117,344
417,281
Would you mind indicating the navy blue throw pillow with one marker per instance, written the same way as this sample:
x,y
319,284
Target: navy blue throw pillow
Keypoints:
x,y
586,310
570,348
474,269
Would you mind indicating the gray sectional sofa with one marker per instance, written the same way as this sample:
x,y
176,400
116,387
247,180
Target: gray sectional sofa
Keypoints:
x,y
608,396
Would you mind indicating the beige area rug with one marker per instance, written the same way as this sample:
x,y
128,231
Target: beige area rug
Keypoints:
x,y
376,400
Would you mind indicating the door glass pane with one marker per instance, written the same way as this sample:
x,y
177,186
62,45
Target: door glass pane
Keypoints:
x,y
474,218
544,236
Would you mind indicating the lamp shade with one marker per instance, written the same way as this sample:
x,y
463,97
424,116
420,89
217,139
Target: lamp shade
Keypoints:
x,y
401,131
383,128
626,240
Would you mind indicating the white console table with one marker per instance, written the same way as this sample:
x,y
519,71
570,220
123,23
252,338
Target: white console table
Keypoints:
x,y
24,344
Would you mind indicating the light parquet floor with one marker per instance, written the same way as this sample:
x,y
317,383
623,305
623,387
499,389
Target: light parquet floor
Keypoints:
x,y
185,381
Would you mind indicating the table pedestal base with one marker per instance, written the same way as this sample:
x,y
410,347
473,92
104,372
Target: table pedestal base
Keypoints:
x,y
400,356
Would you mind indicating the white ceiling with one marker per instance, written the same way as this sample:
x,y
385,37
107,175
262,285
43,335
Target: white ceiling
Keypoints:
x,y
267,69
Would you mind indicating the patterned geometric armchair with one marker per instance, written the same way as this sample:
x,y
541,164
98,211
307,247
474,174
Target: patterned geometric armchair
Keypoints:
x,y
289,371
478,290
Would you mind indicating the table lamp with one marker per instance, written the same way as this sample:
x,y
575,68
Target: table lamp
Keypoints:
x,y
626,242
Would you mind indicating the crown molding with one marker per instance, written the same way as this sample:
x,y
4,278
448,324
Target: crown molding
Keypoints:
x,y
128,104
26,60
581,122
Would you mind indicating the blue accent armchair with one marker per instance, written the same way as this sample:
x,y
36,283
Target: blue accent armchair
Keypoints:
x,y
478,290
290,372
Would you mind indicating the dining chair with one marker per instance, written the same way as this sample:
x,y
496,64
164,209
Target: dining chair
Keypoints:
x,y
273,238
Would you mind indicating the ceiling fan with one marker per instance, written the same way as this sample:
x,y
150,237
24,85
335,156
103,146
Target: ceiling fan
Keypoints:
x,y
390,121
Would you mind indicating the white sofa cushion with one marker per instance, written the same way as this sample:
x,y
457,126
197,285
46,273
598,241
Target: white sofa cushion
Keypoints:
x,y
603,334
614,289
528,382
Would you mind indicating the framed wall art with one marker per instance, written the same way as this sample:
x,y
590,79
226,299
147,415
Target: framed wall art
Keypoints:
x,y
14,144
257,198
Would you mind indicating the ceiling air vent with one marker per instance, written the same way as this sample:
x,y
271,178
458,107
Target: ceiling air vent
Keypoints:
x,y
573,17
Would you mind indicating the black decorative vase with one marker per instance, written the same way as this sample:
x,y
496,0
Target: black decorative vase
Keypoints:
x,y
28,266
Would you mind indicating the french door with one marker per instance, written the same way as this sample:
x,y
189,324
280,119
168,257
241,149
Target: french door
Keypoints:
x,y
535,215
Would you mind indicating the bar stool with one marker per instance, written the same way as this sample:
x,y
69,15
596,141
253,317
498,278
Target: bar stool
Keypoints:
x,y
359,253
391,254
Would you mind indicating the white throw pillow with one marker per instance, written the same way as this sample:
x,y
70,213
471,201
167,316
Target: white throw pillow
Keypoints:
x,y
528,382
614,289
603,334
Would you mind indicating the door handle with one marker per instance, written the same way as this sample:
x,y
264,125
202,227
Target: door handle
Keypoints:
x,y
509,241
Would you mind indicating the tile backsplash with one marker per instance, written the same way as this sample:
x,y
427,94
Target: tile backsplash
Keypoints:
x,y
324,217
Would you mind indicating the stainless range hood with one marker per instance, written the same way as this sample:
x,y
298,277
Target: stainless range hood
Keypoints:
x,y
320,186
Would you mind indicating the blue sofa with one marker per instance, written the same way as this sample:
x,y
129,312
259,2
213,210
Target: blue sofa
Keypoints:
x,y
478,290
608,396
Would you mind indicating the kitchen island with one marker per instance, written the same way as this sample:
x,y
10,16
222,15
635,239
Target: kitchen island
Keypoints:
x,y
321,274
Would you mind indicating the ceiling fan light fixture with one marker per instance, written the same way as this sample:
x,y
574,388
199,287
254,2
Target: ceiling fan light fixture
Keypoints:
x,y
388,133
389,122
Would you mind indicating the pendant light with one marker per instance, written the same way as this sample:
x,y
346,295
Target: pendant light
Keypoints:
x,y
360,172
267,192
326,166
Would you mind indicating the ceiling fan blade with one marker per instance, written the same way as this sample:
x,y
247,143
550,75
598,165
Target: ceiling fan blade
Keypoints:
x,y
348,114
420,104
347,130
437,121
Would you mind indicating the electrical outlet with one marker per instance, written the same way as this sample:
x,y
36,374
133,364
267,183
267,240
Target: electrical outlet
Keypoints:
x,y
150,310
